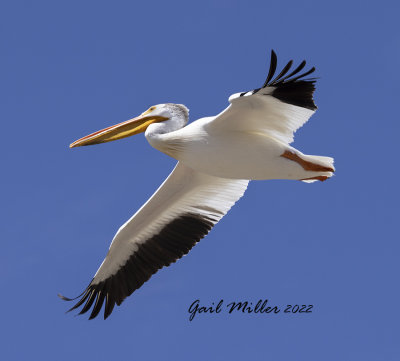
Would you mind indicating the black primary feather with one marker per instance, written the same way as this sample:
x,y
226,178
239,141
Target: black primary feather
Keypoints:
x,y
171,243
294,72
272,68
288,89
283,72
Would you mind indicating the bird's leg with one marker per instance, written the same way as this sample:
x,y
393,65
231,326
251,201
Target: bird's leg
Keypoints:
x,y
309,166
320,178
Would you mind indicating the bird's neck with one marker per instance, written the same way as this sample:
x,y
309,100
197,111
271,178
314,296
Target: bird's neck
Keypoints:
x,y
155,134
161,135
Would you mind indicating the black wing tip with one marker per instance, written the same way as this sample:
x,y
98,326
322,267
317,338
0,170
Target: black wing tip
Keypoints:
x,y
171,243
280,78
272,67
273,56
64,298
292,88
299,93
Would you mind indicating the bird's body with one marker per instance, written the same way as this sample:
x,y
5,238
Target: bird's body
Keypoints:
x,y
217,156
233,154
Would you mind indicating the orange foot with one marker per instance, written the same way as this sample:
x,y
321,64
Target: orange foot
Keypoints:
x,y
320,178
306,165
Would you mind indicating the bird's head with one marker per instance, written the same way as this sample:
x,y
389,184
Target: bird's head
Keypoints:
x,y
167,113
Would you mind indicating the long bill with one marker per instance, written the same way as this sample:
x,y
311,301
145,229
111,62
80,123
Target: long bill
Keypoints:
x,y
122,130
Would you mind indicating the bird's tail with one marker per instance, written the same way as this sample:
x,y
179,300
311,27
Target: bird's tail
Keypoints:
x,y
325,165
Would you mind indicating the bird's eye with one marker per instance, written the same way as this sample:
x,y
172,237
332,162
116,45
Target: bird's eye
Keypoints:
x,y
152,108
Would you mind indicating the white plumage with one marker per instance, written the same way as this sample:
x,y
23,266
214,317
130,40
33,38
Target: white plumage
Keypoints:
x,y
184,192
217,158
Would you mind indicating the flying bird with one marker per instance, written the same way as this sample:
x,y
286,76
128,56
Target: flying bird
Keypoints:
x,y
217,157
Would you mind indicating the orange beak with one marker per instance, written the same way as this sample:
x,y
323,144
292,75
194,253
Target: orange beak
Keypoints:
x,y
122,130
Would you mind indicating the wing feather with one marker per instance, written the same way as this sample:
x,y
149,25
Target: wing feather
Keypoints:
x,y
278,108
283,72
272,68
295,71
181,212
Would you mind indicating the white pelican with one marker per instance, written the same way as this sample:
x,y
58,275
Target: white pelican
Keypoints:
x,y
217,156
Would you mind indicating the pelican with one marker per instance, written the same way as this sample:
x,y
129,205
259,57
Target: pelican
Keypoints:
x,y
217,157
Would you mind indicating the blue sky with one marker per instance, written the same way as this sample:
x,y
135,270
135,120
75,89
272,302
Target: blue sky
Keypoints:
x,y
70,68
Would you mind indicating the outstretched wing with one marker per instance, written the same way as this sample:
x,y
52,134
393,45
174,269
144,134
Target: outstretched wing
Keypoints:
x,y
181,212
281,106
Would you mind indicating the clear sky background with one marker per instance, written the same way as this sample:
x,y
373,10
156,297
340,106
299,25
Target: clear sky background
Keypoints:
x,y
71,68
